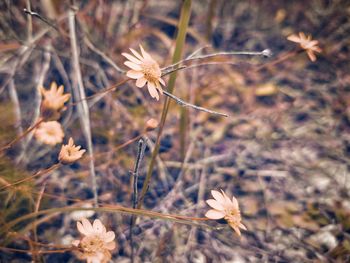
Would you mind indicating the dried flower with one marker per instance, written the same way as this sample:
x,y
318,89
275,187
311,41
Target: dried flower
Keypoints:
x,y
306,43
49,133
54,99
145,70
70,153
225,208
151,124
97,242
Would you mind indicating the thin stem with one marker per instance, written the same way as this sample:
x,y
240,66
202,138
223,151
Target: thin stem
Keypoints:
x,y
180,41
40,173
186,104
280,59
266,53
46,21
108,208
80,94
140,153
103,55
10,144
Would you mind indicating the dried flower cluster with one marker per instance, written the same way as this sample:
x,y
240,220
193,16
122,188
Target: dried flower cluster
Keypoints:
x,y
96,244
225,208
306,43
145,70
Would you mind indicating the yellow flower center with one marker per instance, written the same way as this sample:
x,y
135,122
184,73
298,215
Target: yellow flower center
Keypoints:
x,y
233,216
92,244
151,71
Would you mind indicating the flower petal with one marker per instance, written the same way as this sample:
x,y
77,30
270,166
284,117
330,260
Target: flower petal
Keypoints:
x,y
311,55
136,54
145,54
133,65
294,38
162,81
110,246
227,199
134,74
81,229
218,196
53,86
242,226
131,58
215,204
234,202
152,90
75,243
98,226
141,82
236,229
109,236
87,226
214,214
159,88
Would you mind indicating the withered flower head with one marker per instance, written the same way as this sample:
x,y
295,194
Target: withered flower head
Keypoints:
x,y
306,43
53,100
96,244
145,70
151,124
50,133
224,207
70,153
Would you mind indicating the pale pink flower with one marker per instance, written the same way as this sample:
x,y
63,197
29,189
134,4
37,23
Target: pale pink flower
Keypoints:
x,y
225,208
96,244
50,133
306,43
70,153
145,70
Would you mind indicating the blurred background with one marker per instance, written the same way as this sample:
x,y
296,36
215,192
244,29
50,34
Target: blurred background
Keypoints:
x,y
283,152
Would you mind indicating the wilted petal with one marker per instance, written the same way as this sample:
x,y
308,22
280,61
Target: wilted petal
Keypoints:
x,y
141,82
134,74
215,214
133,65
215,204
